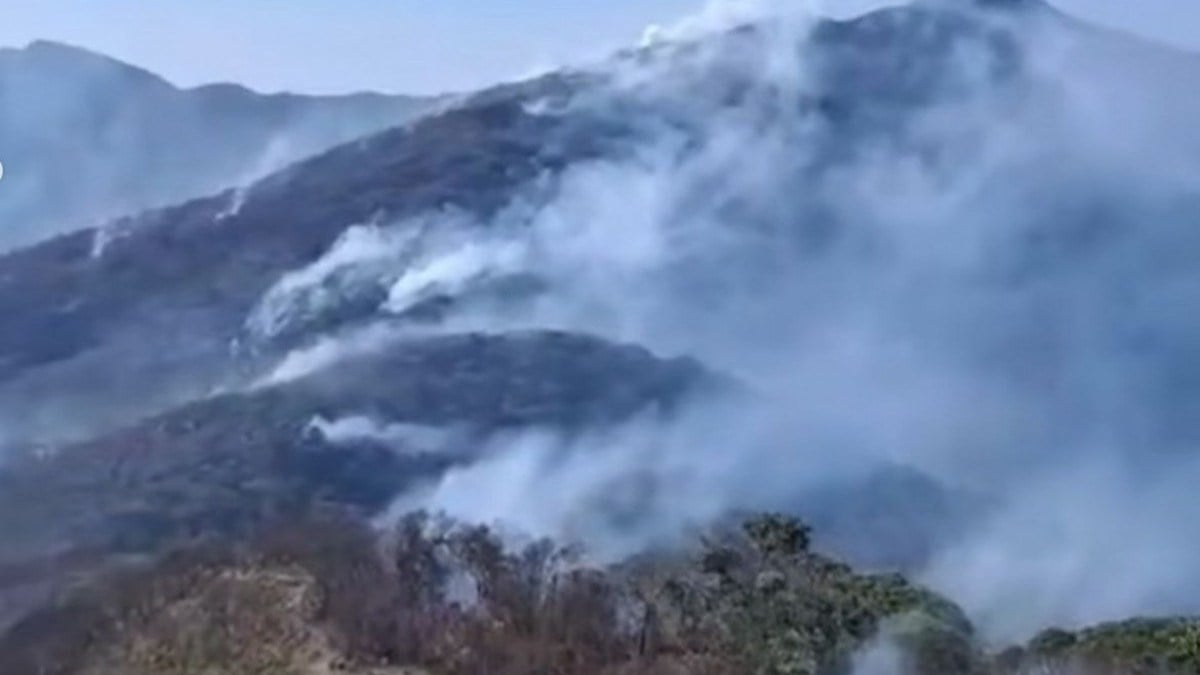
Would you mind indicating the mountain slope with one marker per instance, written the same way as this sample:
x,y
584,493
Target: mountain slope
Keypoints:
x,y
351,438
86,138
206,263
951,242
200,267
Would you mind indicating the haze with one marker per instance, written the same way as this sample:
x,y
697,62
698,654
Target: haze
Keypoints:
x,y
332,46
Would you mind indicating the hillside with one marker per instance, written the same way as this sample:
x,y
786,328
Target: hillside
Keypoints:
x,y
919,277
442,597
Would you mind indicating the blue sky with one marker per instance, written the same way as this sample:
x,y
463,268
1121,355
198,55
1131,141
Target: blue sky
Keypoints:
x,y
415,46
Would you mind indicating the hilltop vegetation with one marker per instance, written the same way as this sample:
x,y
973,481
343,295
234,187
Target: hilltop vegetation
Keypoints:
x,y
430,595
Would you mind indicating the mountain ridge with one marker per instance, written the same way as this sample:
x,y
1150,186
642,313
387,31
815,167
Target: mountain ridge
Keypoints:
x,y
88,138
73,54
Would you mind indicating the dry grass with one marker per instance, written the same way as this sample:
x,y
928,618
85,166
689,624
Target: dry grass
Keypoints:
x,y
330,597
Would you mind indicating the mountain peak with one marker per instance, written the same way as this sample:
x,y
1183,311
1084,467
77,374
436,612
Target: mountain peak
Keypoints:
x,y
53,47
63,60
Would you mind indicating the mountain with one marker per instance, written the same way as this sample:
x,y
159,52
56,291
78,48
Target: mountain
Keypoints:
x,y
85,138
920,275
161,296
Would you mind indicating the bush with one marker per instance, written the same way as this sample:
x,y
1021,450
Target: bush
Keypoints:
x,y
329,594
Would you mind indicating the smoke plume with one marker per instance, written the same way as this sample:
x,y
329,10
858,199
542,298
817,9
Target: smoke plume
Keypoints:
x,y
956,240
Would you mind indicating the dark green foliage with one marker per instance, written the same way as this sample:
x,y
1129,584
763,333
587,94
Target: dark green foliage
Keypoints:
x,y
1053,642
776,534
767,603
1134,647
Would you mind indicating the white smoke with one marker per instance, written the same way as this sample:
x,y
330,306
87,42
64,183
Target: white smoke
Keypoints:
x,y
992,287
409,439
361,255
881,658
